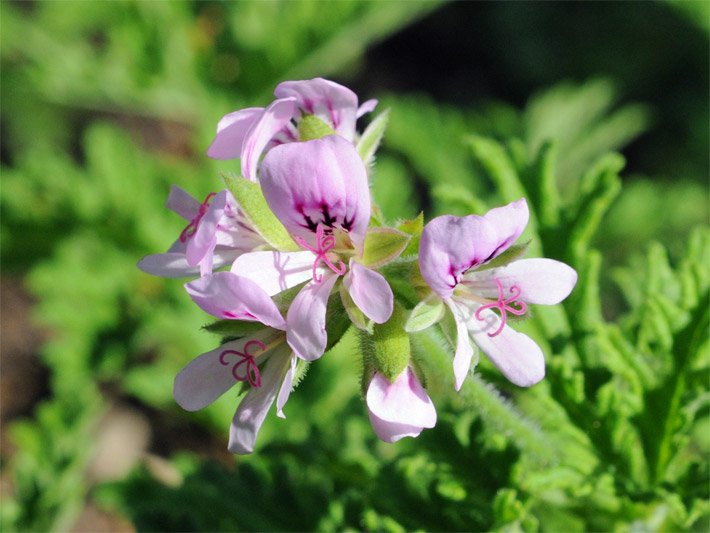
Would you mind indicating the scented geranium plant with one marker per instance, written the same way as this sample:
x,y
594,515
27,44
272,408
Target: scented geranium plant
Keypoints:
x,y
292,253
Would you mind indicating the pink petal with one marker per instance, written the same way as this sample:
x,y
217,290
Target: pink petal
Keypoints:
x,y
392,431
182,203
452,245
254,407
275,272
205,378
541,281
509,222
226,295
403,402
516,355
306,319
274,118
323,181
331,102
464,350
203,242
285,390
366,107
174,264
231,130
370,292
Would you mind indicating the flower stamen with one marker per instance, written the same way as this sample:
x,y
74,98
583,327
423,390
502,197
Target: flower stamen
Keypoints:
x,y
191,228
503,306
251,372
324,244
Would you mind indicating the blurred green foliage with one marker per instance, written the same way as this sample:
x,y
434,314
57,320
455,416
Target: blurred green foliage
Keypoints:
x,y
106,104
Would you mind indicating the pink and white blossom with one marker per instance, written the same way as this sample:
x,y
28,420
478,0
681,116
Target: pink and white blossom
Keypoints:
x,y
318,190
217,233
399,409
263,361
248,133
453,257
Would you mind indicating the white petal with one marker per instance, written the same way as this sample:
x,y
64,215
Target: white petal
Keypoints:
x,y
403,402
516,355
392,431
226,295
254,407
464,350
205,378
182,203
541,281
275,272
174,264
203,242
306,319
231,130
370,292
273,119
285,390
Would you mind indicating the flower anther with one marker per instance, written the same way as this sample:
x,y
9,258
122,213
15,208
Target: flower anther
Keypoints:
x,y
324,244
503,306
250,373
191,228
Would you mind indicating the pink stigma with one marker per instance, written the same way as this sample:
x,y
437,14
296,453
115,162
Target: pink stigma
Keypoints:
x,y
324,244
503,306
191,228
251,372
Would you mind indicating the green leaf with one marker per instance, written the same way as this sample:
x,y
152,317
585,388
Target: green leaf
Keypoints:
x,y
233,328
311,127
383,245
367,144
250,198
413,227
425,314
511,254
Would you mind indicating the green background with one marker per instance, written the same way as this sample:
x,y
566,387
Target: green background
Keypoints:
x,y
596,112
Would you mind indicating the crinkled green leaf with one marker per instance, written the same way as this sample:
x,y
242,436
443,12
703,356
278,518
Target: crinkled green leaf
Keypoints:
x,y
250,198
426,313
383,245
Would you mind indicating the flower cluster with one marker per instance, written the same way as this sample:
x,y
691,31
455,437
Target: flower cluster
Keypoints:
x,y
293,248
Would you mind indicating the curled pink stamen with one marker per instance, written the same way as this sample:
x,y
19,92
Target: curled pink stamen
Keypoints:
x,y
503,306
324,244
191,228
249,373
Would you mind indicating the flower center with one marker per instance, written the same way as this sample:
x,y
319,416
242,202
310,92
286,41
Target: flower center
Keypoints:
x,y
503,305
191,228
245,369
324,244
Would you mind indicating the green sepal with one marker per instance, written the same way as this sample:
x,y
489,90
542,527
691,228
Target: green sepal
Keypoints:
x,y
301,369
310,127
383,245
414,228
511,254
371,137
251,200
426,313
234,328
387,350
356,316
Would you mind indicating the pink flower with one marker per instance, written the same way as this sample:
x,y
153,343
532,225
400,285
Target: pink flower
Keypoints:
x,y
318,190
247,133
263,360
217,233
453,255
399,409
